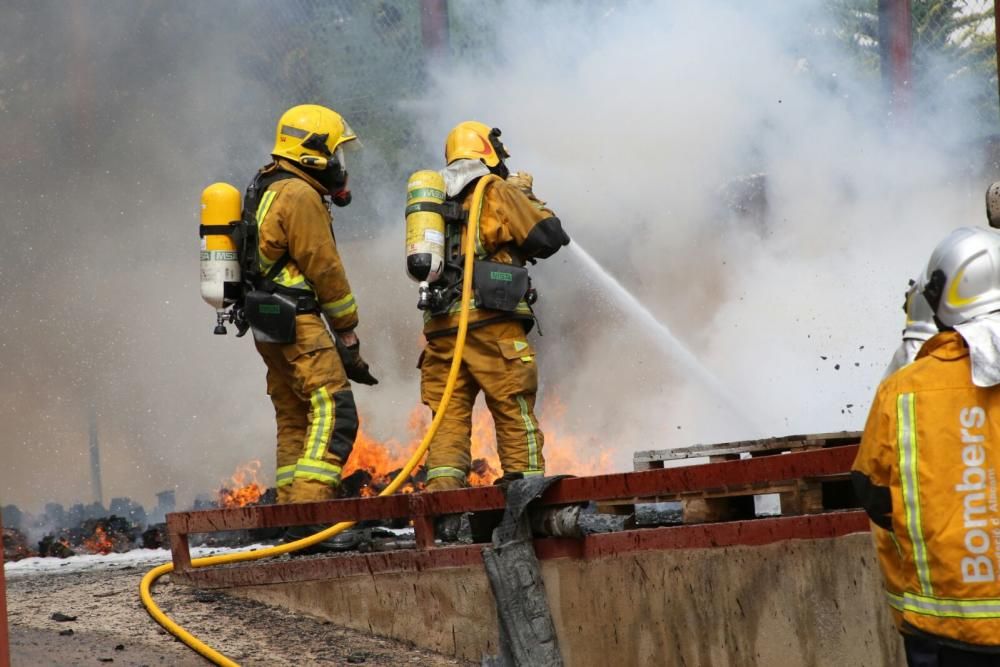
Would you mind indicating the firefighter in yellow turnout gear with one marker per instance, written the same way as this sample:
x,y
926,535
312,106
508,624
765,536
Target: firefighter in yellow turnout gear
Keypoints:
x,y
307,375
926,471
514,228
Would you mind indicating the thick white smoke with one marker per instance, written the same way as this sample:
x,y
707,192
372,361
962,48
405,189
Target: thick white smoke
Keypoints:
x,y
635,121
632,122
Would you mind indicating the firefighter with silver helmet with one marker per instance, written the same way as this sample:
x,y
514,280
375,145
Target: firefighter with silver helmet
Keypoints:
x,y
515,228
920,325
296,282
926,468
919,328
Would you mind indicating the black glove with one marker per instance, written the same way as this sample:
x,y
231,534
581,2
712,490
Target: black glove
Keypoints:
x,y
355,367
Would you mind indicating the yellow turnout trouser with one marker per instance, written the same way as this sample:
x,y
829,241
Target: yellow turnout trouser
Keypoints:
x,y
499,361
314,409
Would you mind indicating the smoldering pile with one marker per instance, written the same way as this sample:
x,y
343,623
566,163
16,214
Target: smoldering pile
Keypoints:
x,y
111,534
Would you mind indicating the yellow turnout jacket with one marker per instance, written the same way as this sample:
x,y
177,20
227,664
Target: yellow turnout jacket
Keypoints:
x,y
291,217
926,473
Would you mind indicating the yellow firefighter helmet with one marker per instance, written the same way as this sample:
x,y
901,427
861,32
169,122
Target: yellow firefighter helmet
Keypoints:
x,y
474,141
310,130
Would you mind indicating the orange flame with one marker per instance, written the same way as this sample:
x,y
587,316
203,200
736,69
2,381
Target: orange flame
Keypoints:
x,y
383,459
564,452
98,543
243,488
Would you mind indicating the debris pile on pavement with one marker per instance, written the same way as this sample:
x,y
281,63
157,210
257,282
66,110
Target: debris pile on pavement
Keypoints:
x,y
92,536
15,545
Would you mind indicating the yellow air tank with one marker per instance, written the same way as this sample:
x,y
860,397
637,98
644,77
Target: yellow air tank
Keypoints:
x,y
221,206
425,193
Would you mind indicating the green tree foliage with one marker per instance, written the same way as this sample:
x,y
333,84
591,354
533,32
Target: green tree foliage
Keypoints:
x,y
953,48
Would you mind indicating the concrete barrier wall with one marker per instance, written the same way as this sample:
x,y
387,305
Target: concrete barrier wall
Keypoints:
x,y
797,603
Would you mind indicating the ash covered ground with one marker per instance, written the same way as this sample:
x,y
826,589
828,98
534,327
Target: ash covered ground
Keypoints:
x,y
110,625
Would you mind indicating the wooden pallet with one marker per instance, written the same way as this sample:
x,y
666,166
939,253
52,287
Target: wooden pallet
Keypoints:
x,y
802,496
729,451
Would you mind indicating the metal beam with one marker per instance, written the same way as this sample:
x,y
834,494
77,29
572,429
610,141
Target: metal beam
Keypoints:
x,y
4,636
667,483
652,484
752,533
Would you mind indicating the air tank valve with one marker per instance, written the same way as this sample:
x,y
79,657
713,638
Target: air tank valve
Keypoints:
x,y
424,298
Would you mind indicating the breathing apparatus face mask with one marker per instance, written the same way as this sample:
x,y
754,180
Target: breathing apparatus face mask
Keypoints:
x,y
933,292
500,169
331,173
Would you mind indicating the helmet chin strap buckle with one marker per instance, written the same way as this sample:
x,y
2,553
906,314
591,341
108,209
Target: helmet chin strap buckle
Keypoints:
x,y
314,161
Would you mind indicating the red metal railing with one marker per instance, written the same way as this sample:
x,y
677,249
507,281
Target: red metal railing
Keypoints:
x,y
896,44
422,508
4,637
434,27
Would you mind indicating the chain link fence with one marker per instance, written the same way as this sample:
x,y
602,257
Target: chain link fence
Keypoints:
x,y
365,58
954,49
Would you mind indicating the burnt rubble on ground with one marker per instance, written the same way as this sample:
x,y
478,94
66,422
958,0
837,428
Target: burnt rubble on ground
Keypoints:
x,y
92,536
94,529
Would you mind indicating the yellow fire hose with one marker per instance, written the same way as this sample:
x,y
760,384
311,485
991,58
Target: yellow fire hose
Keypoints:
x,y
472,232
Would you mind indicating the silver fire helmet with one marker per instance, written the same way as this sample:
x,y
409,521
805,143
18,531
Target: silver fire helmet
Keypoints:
x,y
962,280
919,316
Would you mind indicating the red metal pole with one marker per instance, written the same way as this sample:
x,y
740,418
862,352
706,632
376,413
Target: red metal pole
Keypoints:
x,y
434,27
996,38
896,50
4,640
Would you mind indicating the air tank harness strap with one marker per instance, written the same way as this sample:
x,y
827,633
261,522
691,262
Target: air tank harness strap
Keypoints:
x,y
451,211
215,230
264,180
306,301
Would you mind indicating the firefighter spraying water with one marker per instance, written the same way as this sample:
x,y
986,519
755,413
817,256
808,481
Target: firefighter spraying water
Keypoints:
x,y
513,229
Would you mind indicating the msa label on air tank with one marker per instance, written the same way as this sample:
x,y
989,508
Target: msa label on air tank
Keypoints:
x,y
434,236
219,255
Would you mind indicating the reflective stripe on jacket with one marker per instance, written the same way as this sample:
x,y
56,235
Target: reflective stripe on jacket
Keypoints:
x,y
927,471
291,217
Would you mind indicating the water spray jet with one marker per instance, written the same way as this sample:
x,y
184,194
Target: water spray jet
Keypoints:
x,y
665,338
